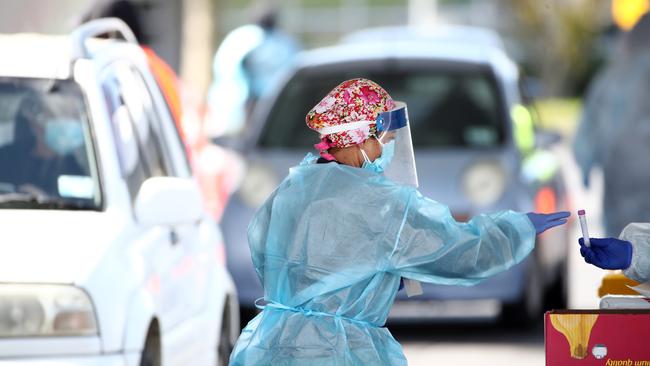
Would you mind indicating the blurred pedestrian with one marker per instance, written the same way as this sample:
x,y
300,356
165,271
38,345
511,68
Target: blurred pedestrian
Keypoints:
x,y
614,131
245,66
333,241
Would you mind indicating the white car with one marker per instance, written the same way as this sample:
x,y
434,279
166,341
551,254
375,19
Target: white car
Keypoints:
x,y
107,256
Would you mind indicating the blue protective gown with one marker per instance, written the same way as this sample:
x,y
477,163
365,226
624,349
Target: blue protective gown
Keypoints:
x,y
330,246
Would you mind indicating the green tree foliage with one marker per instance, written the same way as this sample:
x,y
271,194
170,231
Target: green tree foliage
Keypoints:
x,y
559,39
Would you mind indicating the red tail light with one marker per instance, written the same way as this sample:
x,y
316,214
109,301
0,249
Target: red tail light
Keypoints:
x,y
546,200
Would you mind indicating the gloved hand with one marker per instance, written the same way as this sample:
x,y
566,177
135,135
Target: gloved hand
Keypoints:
x,y
607,253
543,222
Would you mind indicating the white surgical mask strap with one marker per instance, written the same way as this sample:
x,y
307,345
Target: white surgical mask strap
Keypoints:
x,y
365,156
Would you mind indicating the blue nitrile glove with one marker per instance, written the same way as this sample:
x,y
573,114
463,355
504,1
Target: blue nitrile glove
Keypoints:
x,y
607,253
543,222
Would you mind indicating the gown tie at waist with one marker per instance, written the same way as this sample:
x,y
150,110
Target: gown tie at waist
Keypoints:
x,y
309,312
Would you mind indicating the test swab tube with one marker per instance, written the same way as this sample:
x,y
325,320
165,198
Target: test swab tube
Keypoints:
x,y
583,226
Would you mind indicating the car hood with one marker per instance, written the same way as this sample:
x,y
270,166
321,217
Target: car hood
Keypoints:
x,y
53,246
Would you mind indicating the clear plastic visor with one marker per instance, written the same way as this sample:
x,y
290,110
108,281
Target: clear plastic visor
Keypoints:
x,y
393,128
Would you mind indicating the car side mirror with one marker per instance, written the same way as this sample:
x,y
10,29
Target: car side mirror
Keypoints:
x,y
546,138
168,201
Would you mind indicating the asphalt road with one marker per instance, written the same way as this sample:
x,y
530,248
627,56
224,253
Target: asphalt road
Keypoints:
x,y
457,344
491,344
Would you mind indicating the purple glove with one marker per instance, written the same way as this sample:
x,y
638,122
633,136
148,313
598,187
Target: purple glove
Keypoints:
x,y
543,222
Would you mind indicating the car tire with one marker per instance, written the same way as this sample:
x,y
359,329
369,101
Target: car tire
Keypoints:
x,y
528,310
226,344
151,352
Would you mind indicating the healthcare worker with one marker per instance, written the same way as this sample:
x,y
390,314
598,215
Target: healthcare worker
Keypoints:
x,y
631,252
614,131
334,239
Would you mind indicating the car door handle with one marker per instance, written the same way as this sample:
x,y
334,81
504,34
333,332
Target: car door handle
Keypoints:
x,y
173,237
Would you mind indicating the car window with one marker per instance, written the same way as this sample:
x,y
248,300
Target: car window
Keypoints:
x,y
166,131
128,149
146,121
448,106
46,154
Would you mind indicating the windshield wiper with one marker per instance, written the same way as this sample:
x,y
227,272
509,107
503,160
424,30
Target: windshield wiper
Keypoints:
x,y
27,200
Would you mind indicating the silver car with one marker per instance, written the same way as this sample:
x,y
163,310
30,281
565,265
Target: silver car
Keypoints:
x,y
476,151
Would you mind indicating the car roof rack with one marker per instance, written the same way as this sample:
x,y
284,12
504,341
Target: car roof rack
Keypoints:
x,y
94,28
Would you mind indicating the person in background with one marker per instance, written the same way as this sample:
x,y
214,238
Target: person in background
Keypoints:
x,y
42,149
245,66
333,241
615,129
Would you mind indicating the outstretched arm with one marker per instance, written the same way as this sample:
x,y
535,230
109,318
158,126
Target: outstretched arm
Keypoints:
x,y
433,247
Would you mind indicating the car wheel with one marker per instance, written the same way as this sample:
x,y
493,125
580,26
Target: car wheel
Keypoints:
x,y
151,353
226,344
528,310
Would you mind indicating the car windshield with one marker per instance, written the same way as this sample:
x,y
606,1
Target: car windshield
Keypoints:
x,y
45,146
448,105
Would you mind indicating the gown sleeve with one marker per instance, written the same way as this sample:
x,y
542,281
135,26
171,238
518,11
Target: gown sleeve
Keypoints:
x,y
432,247
639,235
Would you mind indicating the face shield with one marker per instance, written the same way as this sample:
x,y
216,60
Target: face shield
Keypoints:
x,y
394,133
397,160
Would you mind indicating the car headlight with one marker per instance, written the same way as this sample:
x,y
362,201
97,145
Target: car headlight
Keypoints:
x,y
258,184
484,183
45,310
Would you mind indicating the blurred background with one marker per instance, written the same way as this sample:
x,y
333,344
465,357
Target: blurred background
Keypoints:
x,y
535,79
559,43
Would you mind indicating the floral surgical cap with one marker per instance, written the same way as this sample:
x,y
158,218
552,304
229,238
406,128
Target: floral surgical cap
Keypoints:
x,y
351,101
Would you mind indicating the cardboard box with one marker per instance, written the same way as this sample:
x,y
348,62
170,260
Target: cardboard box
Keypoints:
x,y
597,337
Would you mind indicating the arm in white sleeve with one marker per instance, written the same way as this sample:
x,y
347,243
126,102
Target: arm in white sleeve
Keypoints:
x,y
639,235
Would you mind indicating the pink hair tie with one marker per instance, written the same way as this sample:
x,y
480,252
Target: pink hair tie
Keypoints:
x,y
322,147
